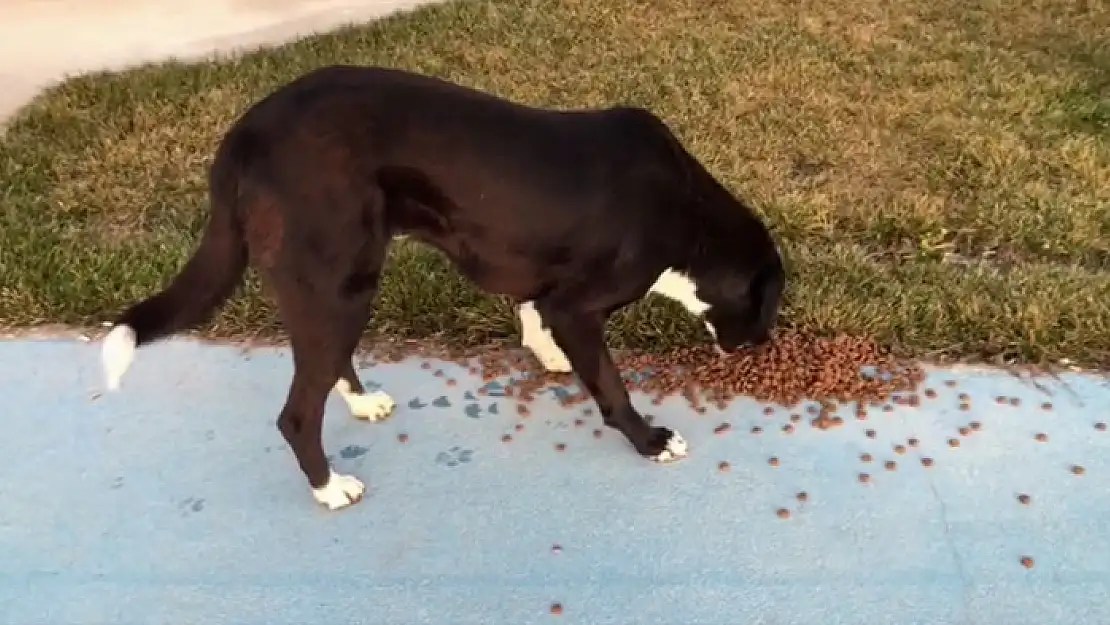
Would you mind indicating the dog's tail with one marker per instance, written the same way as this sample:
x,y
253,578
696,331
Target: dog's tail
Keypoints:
x,y
206,281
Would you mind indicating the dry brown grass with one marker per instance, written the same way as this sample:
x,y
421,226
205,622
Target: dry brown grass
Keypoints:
x,y
939,172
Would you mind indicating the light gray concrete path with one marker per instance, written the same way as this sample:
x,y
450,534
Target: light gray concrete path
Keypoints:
x,y
43,41
176,501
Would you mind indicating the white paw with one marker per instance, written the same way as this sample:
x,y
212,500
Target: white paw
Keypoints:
x,y
340,491
374,406
539,341
116,354
676,449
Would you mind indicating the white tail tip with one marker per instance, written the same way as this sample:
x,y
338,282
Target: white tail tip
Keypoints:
x,y
117,354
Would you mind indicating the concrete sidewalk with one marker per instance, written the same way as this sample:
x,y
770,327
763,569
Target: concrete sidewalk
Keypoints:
x,y
42,41
176,501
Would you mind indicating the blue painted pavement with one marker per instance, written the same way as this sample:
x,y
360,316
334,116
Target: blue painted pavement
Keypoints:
x,y
175,501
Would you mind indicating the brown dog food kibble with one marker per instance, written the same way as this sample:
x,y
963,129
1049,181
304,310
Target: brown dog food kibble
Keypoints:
x,y
930,393
802,496
913,442
402,438
926,462
1100,426
723,466
953,442
869,433
773,461
1046,406
756,429
1023,499
1015,401
783,513
965,406
899,449
560,446
964,430
864,478
506,438
1027,562
950,383
556,608
519,427
975,425
890,465
768,411
1077,469
597,433
723,428
1041,437
865,457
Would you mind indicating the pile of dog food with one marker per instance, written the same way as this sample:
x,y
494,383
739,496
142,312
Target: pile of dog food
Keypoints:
x,y
793,368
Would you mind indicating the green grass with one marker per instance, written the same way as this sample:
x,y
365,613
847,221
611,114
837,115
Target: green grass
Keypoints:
x,y
938,170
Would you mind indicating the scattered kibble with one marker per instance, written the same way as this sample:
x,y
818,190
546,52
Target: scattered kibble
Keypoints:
x,y
870,433
926,462
768,411
556,608
560,446
1100,426
802,496
1024,499
519,427
773,461
794,418
965,406
913,442
1027,562
864,478
403,438
1046,406
723,466
1015,401
451,382
865,457
783,513
953,442
890,465
964,397
950,383
723,428
1000,399
1041,437
506,438
899,449
1077,469
975,425
756,429
597,433
964,430
930,393
787,428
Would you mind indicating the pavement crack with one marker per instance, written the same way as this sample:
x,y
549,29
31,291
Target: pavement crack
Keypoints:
x,y
961,568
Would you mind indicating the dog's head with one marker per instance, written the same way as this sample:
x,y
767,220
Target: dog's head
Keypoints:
x,y
739,304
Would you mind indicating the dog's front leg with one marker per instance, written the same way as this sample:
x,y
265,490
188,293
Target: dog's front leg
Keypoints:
x,y
582,337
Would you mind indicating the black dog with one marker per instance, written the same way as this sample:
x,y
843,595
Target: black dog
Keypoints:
x,y
573,213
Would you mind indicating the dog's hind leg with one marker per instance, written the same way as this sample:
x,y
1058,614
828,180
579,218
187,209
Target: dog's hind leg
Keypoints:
x,y
325,305
582,337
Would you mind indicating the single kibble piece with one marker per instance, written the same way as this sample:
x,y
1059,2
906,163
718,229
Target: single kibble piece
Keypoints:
x,y
1046,406
1015,401
506,438
768,411
519,427
783,513
403,438
870,433
1077,469
1001,399
773,461
913,442
451,382
1041,437
890,465
930,393
975,425
787,428
888,408
964,397
864,478
926,461
953,442
950,383
597,433
1100,426
560,446
756,429
865,457
802,496
965,406
1023,499
794,418
723,428
723,466
1027,562
964,431
556,608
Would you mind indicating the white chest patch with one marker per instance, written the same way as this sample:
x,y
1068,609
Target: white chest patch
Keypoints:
x,y
677,286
